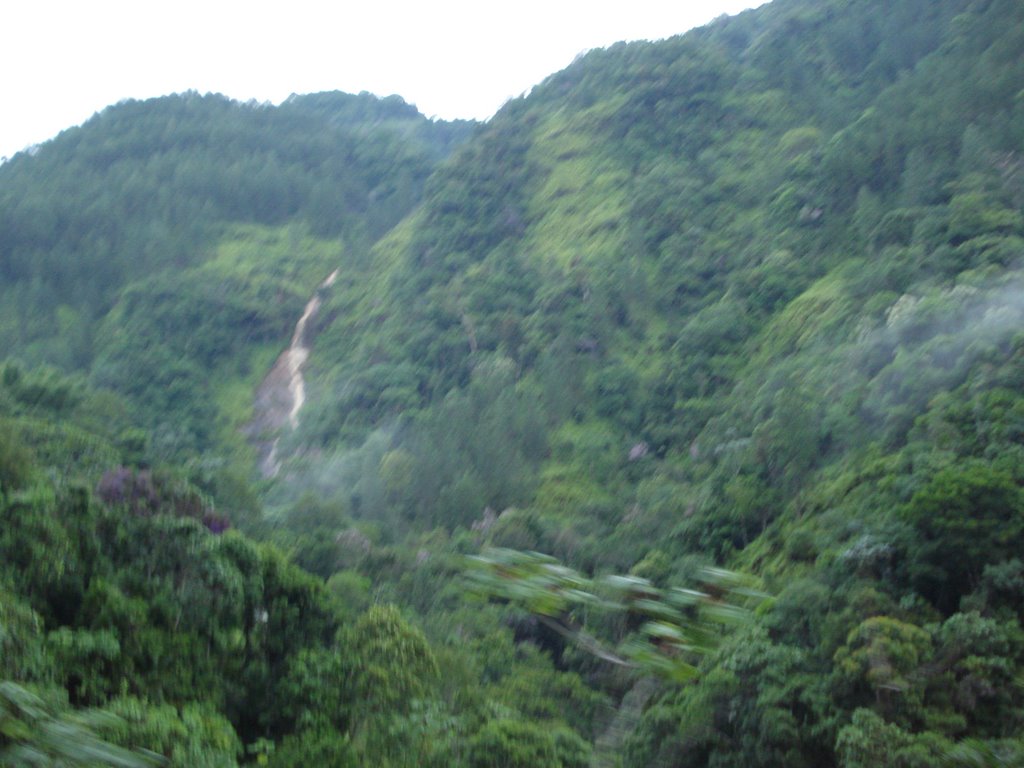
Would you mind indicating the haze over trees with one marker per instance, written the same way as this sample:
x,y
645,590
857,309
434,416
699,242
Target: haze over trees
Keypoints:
x,y
745,299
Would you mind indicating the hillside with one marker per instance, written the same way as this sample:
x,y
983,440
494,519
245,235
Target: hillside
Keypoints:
x,y
667,263
746,298
164,244
145,188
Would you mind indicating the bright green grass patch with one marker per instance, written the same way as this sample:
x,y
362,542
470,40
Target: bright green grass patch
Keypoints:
x,y
808,319
566,490
582,203
286,257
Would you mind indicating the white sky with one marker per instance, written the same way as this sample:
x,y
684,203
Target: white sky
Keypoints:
x,y
63,60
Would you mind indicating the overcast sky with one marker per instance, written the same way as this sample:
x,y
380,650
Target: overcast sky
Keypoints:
x,y
61,61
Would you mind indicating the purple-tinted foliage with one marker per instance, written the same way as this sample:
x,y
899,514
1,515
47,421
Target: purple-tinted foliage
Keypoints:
x,y
216,523
136,490
114,485
144,493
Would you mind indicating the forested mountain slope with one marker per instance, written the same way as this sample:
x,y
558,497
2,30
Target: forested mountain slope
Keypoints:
x,y
748,297
145,188
144,245
657,237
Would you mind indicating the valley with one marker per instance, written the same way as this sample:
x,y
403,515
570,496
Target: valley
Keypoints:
x,y
674,416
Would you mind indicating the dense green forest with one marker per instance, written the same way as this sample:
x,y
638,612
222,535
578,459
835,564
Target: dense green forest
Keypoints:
x,y
729,327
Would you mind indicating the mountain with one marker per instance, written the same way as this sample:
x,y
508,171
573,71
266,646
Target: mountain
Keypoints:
x,y
164,244
666,241
744,298
147,187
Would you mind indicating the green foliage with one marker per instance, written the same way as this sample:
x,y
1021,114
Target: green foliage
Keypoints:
x,y
389,663
882,661
144,187
868,740
185,347
34,731
981,754
196,735
674,624
966,517
749,296
326,748
15,461
773,693
22,653
513,744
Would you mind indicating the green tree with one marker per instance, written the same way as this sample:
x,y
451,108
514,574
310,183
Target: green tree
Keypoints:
x,y
388,663
510,743
966,517
870,741
882,663
191,736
